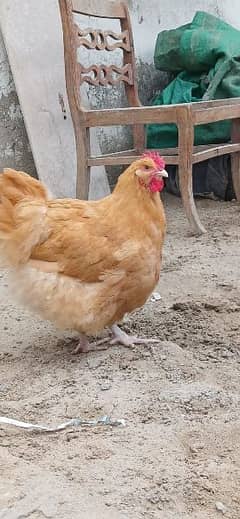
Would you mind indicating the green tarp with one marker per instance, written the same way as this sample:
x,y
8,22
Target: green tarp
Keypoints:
x,y
205,58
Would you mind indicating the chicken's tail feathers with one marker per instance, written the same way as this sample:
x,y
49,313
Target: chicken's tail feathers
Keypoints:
x,y
22,216
17,185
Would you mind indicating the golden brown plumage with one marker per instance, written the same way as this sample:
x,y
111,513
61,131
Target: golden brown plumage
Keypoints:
x,y
83,264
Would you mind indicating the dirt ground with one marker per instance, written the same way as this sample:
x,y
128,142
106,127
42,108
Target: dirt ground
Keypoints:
x,y
178,457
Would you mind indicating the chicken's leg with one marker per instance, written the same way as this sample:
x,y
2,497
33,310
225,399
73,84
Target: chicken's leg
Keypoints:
x,y
121,337
83,345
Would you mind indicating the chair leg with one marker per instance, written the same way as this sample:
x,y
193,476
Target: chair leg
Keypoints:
x,y
235,159
235,162
185,142
185,185
83,170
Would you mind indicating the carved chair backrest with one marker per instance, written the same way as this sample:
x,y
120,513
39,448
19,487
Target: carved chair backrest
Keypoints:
x,y
76,37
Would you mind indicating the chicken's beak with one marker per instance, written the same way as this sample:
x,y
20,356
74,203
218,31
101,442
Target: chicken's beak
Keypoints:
x,y
162,173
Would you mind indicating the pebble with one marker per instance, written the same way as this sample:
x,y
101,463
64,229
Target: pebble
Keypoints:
x,y
155,297
220,507
4,387
105,387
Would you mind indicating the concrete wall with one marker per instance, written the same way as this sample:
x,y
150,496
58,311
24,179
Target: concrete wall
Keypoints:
x,y
15,150
148,18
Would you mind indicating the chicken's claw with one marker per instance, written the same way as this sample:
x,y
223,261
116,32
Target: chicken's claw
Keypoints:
x,y
121,337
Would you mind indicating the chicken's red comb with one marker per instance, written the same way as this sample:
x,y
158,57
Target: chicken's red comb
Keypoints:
x,y
154,155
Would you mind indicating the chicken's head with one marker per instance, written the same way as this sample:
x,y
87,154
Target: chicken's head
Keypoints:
x,y
150,170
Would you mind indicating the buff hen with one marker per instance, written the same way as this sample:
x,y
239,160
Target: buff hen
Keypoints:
x,y
85,264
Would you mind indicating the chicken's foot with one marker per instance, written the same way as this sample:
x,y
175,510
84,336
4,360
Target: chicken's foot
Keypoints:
x,y
121,337
83,345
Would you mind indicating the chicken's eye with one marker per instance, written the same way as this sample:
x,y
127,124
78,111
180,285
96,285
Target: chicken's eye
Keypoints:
x,y
147,167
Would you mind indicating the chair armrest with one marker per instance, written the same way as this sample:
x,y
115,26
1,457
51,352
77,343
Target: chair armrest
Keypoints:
x,y
196,113
132,116
220,113
216,103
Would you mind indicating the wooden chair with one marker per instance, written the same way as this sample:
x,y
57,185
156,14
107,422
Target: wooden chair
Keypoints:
x,y
185,116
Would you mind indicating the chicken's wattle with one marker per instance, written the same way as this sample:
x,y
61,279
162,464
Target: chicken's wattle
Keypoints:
x,y
156,184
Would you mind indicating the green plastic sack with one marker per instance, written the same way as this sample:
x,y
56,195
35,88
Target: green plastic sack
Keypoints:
x,y
205,56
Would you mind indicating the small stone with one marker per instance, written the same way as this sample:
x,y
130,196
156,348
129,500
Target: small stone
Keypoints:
x,y
155,297
193,449
105,387
154,499
220,507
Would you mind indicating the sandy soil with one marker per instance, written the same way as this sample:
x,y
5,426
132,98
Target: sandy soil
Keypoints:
x,y
179,455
